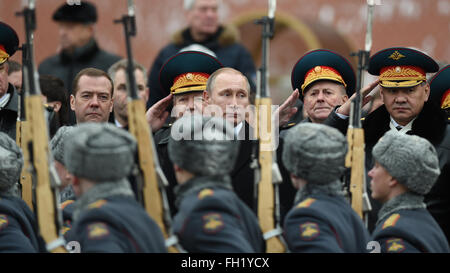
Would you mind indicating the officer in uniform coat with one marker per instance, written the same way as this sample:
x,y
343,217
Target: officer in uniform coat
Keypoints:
x,y
106,216
9,100
18,227
405,170
321,219
407,109
325,79
211,218
184,76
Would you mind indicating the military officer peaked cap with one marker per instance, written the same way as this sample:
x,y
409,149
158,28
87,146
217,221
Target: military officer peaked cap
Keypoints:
x,y
440,88
84,13
401,67
322,64
9,42
187,71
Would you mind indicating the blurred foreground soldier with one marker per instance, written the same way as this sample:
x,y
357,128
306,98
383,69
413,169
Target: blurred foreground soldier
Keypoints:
x,y
18,227
322,220
440,90
406,167
9,100
324,79
106,216
67,195
211,218
205,29
78,48
406,110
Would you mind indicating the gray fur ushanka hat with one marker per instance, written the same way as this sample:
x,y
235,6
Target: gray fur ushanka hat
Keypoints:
x,y
11,162
203,145
100,152
57,143
410,159
315,152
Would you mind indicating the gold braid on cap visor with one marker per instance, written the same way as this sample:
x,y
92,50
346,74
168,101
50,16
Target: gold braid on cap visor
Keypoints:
x,y
401,76
3,55
322,73
192,81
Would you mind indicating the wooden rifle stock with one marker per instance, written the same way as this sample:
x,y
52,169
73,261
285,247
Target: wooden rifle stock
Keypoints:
x,y
269,173
153,198
36,144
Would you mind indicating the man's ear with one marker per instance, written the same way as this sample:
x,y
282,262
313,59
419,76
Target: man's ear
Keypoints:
x,y
72,102
56,106
206,97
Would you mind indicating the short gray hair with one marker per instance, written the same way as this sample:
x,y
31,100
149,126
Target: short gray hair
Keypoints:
x,y
123,64
212,78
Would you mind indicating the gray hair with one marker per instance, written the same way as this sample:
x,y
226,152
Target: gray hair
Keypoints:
x,y
123,64
212,78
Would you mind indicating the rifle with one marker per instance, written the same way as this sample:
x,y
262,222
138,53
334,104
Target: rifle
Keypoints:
x,y
151,186
267,174
44,177
355,134
25,181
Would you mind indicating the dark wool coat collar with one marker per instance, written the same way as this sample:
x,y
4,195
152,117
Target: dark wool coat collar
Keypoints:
x,y
430,124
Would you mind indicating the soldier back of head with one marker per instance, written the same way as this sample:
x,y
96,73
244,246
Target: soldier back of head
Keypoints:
x,y
315,153
11,163
410,159
99,152
203,146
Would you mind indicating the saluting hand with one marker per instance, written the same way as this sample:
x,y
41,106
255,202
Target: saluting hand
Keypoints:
x,y
345,108
287,109
156,116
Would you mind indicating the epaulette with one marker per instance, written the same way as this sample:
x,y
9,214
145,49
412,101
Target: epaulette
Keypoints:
x,y
391,221
97,204
204,193
306,203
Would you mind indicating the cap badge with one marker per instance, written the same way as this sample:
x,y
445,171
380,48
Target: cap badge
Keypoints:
x,y
396,56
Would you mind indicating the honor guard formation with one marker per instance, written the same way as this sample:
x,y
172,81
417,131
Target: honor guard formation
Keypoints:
x,y
97,154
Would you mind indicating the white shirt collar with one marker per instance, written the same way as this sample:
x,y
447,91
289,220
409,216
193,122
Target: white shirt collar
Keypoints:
x,y
393,125
118,123
238,128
